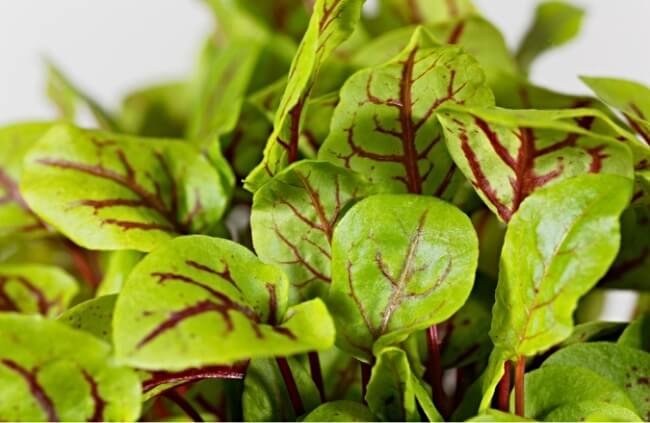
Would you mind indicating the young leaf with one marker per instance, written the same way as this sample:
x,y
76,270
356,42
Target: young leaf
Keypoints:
x,y
628,368
340,411
50,372
550,388
94,316
35,289
592,411
16,218
265,396
631,98
66,96
637,334
508,154
196,292
400,263
557,246
331,23
556,23
385,125
109,192
293,220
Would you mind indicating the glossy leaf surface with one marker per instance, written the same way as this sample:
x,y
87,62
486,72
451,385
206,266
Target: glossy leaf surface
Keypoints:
x,y
400,263
211,289
331,23
108,191
507,155
72,379
293,220
385,125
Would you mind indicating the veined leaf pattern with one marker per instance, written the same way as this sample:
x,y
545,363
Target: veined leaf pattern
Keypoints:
x,y
385,125
197,286
507,155
109,191
400,263
393,14
32,288
557,246
72,379
293,222
331,23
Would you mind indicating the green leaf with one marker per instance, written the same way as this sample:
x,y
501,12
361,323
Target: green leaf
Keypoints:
x,y
341,375
631,98
265,395
552,387
492,415
400,263
196,292
490,231
293,220
557,246
50,372
556,23
67,96
94,316
592,411
637,334
385,125
593,331
35,289
628,368
508,154
117,269
331,23
108,192
159,110
340,411
391,392
15,216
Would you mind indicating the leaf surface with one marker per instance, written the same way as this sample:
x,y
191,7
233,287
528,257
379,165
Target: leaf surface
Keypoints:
x,y
196,292
340,411
94,316
592,411
107,191
637,334
400,263
72,379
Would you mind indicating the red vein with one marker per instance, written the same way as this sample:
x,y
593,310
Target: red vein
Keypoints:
x,y
38,392
100,404
42,303
157,378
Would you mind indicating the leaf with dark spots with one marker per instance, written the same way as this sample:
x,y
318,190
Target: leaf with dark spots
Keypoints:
x,y
508,154
195,292
293,221
331,23
400,263
111,192
385,125
94,316
557,246
35,289
626,367
16,218
72,379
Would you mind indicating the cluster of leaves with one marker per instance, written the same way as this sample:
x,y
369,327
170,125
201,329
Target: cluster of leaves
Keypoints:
x,y
417,210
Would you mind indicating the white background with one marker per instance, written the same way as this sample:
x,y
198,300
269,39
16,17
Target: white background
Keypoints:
x,y
111,46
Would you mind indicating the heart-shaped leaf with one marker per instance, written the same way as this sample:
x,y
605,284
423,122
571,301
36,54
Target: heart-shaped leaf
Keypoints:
x,y
50,372
400,263
385,125
293,220
628,368
196,292
508,154
109,192
35,288
557,246
331,23
94,316
16,218
341,411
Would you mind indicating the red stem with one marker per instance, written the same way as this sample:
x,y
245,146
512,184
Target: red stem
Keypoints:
x,y
520,370
316,374
504,388
84,263
292,388
366,370
435,369
184,405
